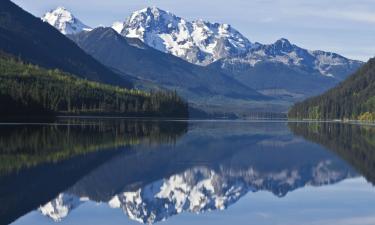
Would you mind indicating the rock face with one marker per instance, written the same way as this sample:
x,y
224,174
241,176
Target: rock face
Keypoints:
x,y
64,21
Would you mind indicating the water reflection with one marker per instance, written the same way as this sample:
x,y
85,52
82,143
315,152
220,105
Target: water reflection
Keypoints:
x,y
175,167
354,143
39,161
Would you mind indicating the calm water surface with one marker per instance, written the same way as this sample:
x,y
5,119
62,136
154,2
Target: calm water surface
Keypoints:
x,y
187,172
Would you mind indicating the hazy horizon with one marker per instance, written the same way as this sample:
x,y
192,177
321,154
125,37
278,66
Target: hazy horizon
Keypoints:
x,y
341,26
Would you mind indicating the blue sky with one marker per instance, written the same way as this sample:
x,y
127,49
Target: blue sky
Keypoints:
x,y
346,27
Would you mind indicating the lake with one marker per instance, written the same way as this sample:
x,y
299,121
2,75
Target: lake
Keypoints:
x,y
123,171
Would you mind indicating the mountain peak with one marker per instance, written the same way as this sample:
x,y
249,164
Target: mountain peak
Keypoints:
x,y
154,10
198,42
283,44
151,11
64,21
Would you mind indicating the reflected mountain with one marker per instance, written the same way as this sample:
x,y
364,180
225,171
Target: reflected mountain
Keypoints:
x,y
39,161
210,168
353,143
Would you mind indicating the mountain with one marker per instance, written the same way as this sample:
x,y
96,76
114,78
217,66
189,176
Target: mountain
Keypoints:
x,y
200,85
283,68
36,42
64,21
280,69
198,42
282,51
230,73
352,99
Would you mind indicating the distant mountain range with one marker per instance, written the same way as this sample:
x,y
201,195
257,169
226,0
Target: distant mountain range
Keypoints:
x,y
282,71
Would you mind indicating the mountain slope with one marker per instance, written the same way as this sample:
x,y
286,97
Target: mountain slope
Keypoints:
x,y
282,51
64,21
34,41
198,42
131,56
28,90
352,99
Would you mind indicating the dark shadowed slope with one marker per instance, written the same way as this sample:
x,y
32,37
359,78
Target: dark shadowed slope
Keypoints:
x,y
34,41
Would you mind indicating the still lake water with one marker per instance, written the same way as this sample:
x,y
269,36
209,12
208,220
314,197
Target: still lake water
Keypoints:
x,y
187,172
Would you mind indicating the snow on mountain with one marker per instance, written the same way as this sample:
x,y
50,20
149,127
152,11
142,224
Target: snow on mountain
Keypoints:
x,y
198,42
64,21
118,26
203,43
282,51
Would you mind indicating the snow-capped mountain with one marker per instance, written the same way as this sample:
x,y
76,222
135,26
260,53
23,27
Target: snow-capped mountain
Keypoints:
x,y
280,71
198,42
64,21
282,51
202,43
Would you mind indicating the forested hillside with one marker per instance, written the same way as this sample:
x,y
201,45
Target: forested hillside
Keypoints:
x,y
27,89
352,99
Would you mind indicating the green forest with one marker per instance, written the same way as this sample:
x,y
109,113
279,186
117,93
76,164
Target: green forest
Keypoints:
x,y
30,90
353,99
